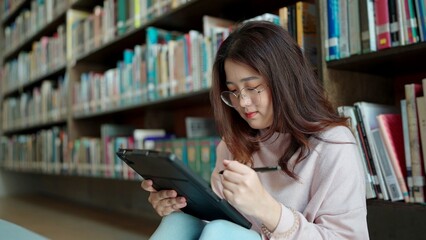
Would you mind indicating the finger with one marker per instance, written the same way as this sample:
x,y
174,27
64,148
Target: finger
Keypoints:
x,y
236,166
168,205
147,186
168,194
231,176
228,195
231,186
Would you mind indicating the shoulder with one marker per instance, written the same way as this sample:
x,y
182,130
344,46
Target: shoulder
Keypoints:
x,y
336,147
339,134
222,150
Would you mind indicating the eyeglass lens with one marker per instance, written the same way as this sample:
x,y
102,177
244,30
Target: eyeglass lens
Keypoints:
x,y
249,95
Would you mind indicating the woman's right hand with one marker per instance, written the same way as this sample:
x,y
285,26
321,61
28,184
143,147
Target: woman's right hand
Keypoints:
x,y
165,201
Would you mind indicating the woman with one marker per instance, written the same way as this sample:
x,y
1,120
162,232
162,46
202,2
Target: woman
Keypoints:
x,y
271,111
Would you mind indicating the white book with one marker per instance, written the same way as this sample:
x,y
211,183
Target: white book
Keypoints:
x,y
368,113
140,135
344,29
389,175
354,27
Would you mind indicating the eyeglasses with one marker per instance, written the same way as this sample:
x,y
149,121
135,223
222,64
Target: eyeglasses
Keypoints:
x,y
232,99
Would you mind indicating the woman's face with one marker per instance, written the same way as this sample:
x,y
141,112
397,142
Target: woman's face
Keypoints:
x,y
254,106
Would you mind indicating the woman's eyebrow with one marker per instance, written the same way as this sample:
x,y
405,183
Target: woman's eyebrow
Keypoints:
x,y
249,78
246,79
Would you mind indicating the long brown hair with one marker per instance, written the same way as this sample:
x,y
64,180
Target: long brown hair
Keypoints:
x,y
299,103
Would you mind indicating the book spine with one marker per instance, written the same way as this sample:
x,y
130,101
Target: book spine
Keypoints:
x,y
393,187
382,24
333,29
354,27
381,191
416,166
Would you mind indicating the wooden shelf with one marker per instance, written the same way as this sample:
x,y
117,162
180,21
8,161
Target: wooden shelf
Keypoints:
x,y
34,127
179,101
382,203
85,4
386,62
395,220
27,44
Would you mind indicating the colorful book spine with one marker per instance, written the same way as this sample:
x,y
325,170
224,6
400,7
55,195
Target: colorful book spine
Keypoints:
x,y
382,24
333,29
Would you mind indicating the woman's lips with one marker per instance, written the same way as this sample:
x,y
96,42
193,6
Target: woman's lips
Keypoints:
x,y
250,115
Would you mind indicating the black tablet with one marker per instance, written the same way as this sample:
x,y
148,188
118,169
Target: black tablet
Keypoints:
x,y
168,172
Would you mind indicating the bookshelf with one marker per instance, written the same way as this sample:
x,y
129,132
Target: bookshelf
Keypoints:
x,y
379,77
367,77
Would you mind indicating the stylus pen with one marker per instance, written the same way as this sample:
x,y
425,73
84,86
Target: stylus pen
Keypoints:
x,y
262,169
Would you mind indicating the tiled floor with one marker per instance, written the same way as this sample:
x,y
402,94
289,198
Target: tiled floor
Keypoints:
x,y
58,219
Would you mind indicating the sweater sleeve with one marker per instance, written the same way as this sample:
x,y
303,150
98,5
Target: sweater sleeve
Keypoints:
x,y
216,183
337,205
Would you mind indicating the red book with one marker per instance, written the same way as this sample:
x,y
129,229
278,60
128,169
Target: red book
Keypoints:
x,y
381,8
390,126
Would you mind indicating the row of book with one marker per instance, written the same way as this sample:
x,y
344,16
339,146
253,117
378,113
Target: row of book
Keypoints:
x,y
44,104
47,55
300,20
392,144
32,20
50,151
88,30
9,6
170,63
362,26
42,151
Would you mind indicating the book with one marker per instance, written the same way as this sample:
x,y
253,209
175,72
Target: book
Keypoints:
x,y
394,26
390,126
73,17
407,152
109,134
387,169
411,92
381,8
354,27
306,30
141,134
370,188
420,6
368,35
367,113
421,114
333,29
344,28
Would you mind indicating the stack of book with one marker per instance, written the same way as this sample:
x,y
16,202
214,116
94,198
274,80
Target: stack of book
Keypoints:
x,y
392,144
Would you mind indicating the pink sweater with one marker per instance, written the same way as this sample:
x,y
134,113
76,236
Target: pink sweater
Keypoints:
x,y
329,198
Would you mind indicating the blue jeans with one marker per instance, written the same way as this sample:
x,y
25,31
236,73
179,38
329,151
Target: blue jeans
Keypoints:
x,y
181,226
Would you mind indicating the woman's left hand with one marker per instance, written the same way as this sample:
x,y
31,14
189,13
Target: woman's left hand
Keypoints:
x,y
243,189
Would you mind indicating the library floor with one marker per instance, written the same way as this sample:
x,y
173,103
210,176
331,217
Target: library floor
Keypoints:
x,y
61,219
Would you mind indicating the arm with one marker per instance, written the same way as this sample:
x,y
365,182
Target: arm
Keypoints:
x,y
334,187
336,208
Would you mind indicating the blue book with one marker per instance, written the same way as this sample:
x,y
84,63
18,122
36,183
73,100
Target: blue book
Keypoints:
x,y
421,18
333,29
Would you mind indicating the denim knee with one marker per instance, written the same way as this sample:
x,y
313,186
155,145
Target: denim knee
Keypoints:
x,y
222,229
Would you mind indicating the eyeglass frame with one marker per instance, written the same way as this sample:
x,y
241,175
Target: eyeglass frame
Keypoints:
x,y
237,95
